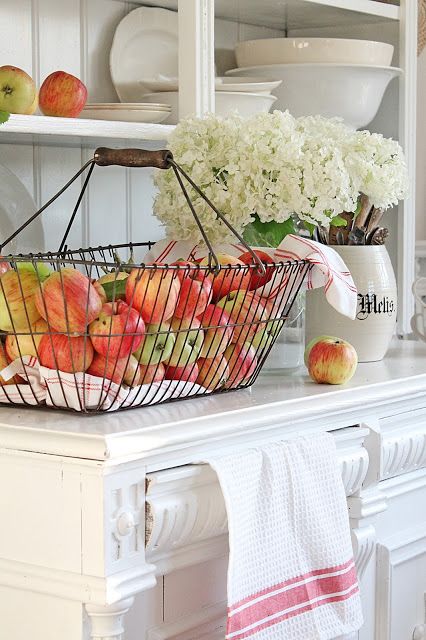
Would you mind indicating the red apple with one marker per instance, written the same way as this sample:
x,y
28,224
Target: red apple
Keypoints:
x,y
68,301
154,293
257,278
311,344
4,362
242,363
18,93
4,266
218,331
119,330
195,291
62,94
187,373
18,293
100,291
109,368
152,373
332,361
132,374
65,353
26,344
229,278
248,314
213,372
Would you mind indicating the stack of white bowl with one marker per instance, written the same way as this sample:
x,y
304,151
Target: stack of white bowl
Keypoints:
x,y
324,76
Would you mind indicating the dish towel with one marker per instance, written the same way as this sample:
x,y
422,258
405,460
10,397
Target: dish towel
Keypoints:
x,y
291,571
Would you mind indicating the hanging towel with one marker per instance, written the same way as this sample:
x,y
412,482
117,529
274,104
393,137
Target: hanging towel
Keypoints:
x,y
291,571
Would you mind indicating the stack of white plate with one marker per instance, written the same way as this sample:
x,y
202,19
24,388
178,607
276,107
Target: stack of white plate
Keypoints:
x,y
144,67
144,112
324,76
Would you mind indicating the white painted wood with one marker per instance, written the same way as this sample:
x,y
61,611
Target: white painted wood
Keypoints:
x,y
107,623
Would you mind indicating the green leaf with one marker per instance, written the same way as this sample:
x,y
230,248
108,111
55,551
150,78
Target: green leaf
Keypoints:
x,y
310,227
267,234
115,289
338,221
4,116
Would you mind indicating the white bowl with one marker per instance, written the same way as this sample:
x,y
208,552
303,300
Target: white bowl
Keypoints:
x,y
307,50
351,92
247,104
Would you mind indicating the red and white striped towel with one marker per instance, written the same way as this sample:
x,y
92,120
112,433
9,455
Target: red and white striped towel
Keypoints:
x,y
329,270
291,571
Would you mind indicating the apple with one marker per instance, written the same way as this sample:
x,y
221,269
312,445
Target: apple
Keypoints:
x,y
189,342
212,372
68,301
132,374
65,353
195,292
152,373
188,373
248,314
113,285
257,278
18,292
113,369
312,343
62,94
41,269
18,93
26,344
157,344
265,335
154,293
4,266
217,331
4,362
100,291
242,363
119,330
228,279
332,361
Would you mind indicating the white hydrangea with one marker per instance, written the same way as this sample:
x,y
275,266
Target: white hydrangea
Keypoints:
x,y
276,166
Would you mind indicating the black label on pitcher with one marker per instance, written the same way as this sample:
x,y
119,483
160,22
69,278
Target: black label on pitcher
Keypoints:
x,y
369,303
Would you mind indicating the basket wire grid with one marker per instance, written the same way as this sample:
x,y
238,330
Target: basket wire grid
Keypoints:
x,y
146,333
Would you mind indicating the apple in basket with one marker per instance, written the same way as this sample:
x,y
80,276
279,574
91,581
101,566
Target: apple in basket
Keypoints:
x,y
18,309
157,344
248,312
4,362
189,342
242,363
152,373
113,369
257,278
213,372
62,94
154,293
68,301
332,361
118,331
217,331
112,285
265,335
26,344
195,292
132,373
228,279
4,266
69,354
188,373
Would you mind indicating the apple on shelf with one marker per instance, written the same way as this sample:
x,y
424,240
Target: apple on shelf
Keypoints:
x,y
330,360
63,95
18,93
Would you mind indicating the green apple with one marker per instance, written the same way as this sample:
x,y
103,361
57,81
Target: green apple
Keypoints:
x,y
313,343
189,342
42,269
18,93
157,345
264,336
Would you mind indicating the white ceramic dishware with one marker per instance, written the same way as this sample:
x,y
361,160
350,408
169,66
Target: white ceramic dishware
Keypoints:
x,y
144,52
245,85
418,321
147,113
301,50
247,104
352,92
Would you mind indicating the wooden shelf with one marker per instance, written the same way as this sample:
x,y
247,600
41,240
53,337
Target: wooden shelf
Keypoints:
x,y
297,14
77,131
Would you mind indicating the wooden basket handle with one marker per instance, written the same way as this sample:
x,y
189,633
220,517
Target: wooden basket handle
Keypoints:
x,y
105,157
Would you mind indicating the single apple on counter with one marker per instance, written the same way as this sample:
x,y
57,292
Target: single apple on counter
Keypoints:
x,y
152,373
242,363
189,342
62,94
154,293
248,314
68,301
157,344
188,373
217,331
332,361
213,372
113,369
18,292
65,353
18,93
228,278
118,331
26,344
257,278
4,362
195,291
313,343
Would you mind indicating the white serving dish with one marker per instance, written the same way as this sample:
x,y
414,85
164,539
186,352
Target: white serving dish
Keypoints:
x,y
313,50
146,113
352,92
247,104
245,85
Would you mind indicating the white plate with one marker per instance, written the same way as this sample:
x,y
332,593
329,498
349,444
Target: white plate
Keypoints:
x,y
153,116
144,51
246,85
127,106
352,92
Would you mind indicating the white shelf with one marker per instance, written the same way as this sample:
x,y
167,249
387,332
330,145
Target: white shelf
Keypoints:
x,y
297,14
71,131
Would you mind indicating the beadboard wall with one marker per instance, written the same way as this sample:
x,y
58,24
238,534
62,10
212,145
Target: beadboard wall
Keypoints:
x,y
42,36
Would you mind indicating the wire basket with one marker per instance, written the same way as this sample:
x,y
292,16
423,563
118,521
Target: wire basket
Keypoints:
x,y
90,330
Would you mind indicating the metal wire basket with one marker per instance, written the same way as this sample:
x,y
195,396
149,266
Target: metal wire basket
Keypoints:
x,y
89,330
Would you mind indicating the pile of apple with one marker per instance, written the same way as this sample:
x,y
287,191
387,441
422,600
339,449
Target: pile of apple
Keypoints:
x,y
186,323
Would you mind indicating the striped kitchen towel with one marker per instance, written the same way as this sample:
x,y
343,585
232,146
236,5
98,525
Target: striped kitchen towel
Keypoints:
x,y
291,570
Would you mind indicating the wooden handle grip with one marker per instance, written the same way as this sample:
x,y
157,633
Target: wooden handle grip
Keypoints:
x,y
105,157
